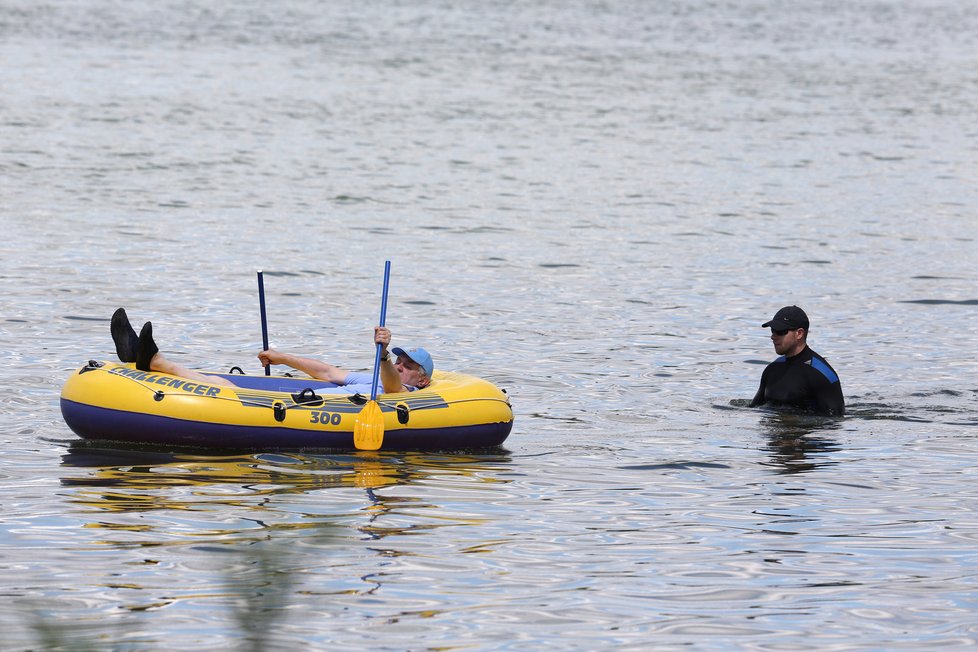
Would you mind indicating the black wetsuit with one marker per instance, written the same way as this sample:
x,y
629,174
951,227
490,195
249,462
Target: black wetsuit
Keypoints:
x,y
804,381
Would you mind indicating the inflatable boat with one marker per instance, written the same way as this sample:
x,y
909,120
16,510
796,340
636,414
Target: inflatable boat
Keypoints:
x,y
117,402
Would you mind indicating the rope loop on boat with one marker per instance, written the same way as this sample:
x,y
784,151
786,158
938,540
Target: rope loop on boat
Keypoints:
x,y
404,411
309,398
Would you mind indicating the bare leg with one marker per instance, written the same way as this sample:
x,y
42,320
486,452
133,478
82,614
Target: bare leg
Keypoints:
x,y
149,358
161,364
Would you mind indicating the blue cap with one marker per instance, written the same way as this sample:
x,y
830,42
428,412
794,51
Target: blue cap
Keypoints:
x,y
420,356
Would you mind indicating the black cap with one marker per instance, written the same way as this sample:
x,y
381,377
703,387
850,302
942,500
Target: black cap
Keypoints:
x,y
788,318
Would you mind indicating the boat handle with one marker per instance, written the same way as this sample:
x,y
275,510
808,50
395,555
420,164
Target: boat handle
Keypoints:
x,y
308,396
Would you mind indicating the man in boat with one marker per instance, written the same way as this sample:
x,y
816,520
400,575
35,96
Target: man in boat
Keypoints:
x,y
800,378
411,370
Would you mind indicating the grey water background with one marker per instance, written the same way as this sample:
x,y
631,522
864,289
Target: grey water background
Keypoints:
x,y
592,204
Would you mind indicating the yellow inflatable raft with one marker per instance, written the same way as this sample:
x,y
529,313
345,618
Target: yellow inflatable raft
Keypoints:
x,y
116,402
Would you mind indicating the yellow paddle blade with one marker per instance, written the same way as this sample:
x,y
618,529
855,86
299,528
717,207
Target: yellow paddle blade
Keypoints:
x,y
368,430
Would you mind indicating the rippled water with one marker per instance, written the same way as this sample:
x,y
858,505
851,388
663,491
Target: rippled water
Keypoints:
x,y
592,204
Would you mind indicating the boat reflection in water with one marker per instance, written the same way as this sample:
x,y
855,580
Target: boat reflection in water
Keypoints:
x,y
261,533
134,480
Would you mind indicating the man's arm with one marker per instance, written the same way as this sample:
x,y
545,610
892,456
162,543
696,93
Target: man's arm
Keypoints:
x,y
759,396
829,399
315,368
390,380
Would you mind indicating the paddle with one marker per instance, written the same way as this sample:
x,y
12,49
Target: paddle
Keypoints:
x,y
264,323
368,429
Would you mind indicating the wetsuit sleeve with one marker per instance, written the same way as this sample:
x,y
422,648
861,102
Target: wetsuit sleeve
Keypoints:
x,y
829,399
759,396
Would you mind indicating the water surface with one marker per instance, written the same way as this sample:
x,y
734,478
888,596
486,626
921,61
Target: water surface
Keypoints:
x,y
593,205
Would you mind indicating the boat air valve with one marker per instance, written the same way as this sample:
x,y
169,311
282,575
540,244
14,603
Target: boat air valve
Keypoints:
x,y
403,414
278,409
158,396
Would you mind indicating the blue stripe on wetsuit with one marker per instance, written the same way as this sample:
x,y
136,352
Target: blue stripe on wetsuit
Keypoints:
x,y
825,369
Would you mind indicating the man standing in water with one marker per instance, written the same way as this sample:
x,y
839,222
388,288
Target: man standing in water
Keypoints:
x,y
799,378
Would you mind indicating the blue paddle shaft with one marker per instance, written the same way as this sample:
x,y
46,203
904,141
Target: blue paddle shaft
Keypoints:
x,y
264,322
383,322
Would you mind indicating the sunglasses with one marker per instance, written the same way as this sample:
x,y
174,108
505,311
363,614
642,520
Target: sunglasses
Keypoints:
x,y
780,332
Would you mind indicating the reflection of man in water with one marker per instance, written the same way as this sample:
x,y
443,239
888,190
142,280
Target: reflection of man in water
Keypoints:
x,y
800,378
